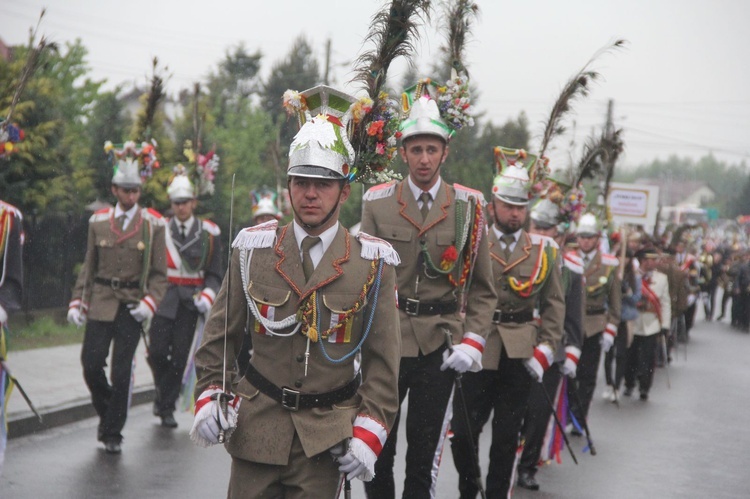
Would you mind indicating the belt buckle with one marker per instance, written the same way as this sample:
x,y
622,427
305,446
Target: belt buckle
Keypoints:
x,y
115,283
497,316
412,307
290,399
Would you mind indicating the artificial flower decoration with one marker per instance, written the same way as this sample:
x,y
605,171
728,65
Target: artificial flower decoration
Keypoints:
x,y
379,143
454,102
145,155
449,257
10,135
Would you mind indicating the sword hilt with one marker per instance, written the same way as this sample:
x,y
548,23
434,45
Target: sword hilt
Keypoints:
x,y
223,398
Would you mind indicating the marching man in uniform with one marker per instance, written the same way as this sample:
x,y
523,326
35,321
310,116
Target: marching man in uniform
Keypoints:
x,y
519,349
321,307
121,283
545,218
438,230
654,319
194,273
602,312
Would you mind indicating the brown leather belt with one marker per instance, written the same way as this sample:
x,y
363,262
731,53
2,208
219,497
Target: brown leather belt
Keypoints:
x,y
294,400
415,307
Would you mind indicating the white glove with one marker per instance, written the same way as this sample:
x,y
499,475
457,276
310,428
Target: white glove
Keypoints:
x,y
351,466
539,362
210,420
608,337
203,302
457,359
76,316
3,315
144,310
570,366
362,467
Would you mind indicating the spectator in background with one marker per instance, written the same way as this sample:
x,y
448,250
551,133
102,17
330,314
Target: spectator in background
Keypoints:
x,y
631,295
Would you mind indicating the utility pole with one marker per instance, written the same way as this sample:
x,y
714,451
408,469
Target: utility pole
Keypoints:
x,y
328,61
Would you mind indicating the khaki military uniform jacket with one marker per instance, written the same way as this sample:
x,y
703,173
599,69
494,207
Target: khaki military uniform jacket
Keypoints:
x,y
603,294
266,273
678,287
137,254
391,212
534,258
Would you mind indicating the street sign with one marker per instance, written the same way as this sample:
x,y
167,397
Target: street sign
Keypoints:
x,y
634,204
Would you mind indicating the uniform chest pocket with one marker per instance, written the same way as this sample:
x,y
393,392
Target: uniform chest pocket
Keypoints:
x,y
446,238
264,294
395,233
267,299
343,309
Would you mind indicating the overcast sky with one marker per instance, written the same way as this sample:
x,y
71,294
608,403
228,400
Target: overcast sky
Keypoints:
x,y
682,86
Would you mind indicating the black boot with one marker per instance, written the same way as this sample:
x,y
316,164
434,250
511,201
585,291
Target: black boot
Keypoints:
x,y
527,480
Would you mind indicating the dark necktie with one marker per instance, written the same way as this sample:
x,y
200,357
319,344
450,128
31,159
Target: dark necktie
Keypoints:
x,y
425,197
586,260
307,263
183,232
508,239
121,221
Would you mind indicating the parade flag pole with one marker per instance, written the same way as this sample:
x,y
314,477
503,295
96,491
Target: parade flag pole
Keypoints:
x,y
585,423
14,380
559,424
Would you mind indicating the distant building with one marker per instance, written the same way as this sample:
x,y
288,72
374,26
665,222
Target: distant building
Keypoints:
x,y
5,51
681,193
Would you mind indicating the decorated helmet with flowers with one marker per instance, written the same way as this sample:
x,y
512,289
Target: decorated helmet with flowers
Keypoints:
x,y
321,148
132,164
437,110
264,203
180,187
512,183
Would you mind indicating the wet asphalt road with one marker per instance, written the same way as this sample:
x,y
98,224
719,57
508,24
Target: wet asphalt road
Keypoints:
x,y
688,441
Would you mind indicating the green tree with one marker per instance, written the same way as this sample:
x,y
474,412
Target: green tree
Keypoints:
x,y
235,80
299,70
51,169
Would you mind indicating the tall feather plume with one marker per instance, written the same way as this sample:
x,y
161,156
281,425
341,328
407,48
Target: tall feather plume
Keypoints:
x,y
613,146
154,98
459,16
591,163
393,31
577,86
32,63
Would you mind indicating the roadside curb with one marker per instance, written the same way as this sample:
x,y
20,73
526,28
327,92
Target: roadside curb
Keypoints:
x,y
27,423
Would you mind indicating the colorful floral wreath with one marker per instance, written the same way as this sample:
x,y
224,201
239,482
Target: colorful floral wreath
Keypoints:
x,y
376,126
205,168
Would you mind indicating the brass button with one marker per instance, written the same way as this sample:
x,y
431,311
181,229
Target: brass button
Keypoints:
x,y
300,358
298,383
